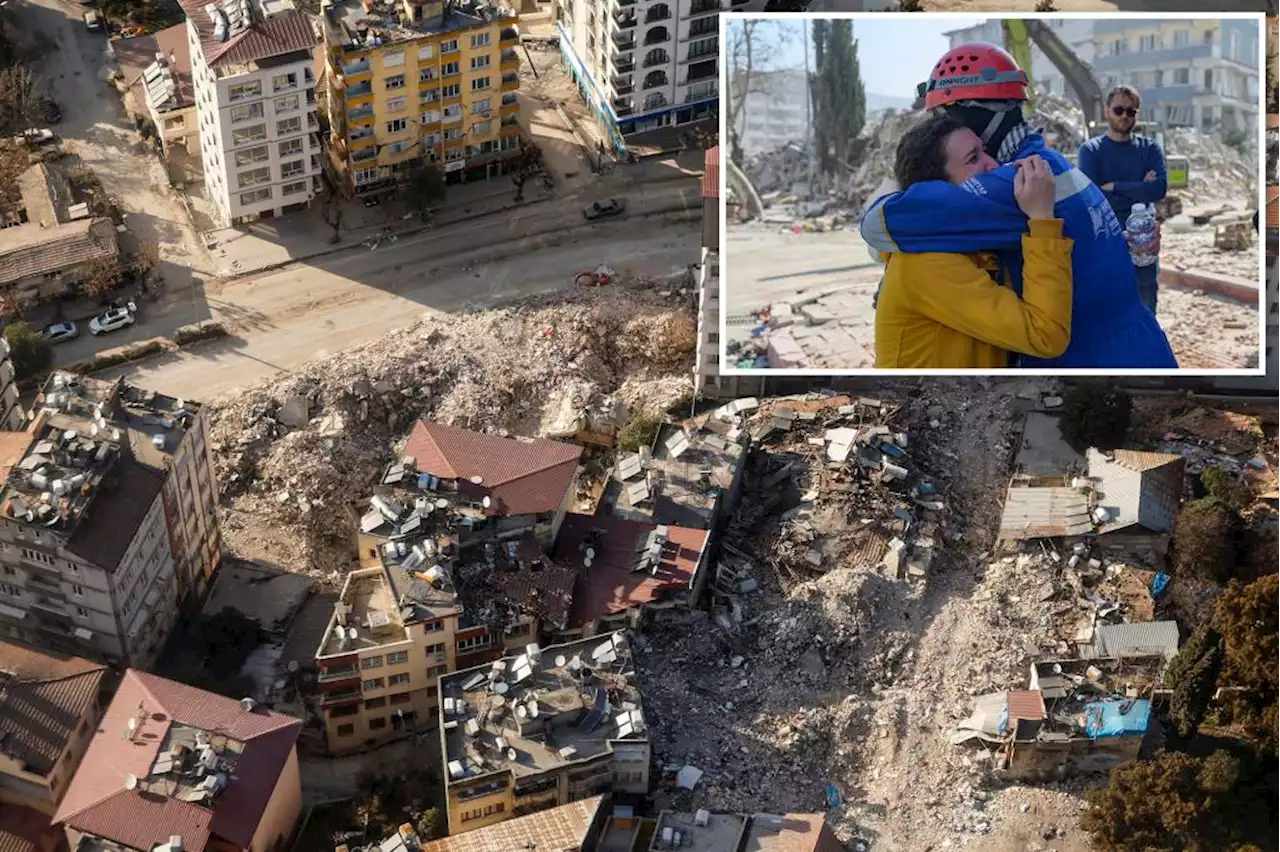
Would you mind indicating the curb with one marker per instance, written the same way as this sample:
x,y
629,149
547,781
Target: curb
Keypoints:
x,y
417,230
1237,289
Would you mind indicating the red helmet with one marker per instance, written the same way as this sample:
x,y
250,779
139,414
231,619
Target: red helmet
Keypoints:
x,y
975,72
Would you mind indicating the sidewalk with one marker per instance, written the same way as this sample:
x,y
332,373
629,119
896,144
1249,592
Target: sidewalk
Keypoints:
x,y
271,243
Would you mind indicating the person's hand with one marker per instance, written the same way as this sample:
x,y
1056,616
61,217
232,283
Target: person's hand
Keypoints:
x,y
1149,176
1033,188
1108,187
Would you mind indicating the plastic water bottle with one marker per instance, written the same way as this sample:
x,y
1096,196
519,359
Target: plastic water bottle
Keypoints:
x,y
1140,234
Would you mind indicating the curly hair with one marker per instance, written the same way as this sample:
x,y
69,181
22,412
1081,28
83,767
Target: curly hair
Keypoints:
x,y
921,153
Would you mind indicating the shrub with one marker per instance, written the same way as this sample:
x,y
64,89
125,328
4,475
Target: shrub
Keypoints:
x,y
641,431
207,330
1205,540
1095,415
30,352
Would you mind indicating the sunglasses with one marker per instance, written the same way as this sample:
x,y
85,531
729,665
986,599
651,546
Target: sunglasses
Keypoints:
x,y
1128,111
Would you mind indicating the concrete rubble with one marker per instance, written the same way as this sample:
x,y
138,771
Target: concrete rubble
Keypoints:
x,y
294,452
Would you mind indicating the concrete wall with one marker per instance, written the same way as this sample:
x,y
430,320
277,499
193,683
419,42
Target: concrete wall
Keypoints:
x,y
145,590
283,809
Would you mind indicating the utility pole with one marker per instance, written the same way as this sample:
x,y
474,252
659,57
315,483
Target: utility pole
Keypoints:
x,y
808,109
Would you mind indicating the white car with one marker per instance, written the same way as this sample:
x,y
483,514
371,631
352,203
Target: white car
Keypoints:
x,y
113,320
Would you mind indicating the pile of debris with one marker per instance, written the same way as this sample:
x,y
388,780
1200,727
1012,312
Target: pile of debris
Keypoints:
x,y
1219,173
293,454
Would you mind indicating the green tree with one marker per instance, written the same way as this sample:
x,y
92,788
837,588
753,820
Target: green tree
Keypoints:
x,y
1095,415
1193,674
427,825
1248,616
425,186
30,352
1226,487
640,431
1205,540
838,95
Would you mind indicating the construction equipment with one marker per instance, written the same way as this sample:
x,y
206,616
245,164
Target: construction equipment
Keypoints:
x,y
1020,34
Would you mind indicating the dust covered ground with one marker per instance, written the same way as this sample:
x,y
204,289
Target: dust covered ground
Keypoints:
x,y
294,453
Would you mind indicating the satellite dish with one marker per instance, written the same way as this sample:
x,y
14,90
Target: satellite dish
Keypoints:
x,y
521,712
586,563
511,754
591,553
351,632
533,709
133,724
501,688
131,781
442,503
476,480
293,667
485,502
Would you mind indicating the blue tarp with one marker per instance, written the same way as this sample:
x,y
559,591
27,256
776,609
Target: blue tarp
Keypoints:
x,y
1159,583
1117,718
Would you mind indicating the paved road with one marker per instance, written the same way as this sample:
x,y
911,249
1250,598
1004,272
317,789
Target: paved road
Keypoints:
x,y
285,319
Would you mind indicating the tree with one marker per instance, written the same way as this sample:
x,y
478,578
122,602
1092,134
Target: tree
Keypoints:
x,y
30,352
1248,617
145,259
754,47
1205,540
20,101
425,186
101,276
1193,674
837,93
15,303
1095,415
427,825
527,164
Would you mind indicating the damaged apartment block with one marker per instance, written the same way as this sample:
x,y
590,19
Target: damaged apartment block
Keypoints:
x,y
110,522
544,728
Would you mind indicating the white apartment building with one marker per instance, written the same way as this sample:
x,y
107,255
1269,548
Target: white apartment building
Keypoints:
x,y
12,417
107,520
774,112
252,67
642,64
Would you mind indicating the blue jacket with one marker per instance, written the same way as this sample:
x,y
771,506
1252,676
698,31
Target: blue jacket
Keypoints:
x,y
1110,327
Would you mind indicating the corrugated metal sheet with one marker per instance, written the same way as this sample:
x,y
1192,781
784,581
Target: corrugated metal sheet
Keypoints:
x,y
711,173
1147,638
1026,704
1044,513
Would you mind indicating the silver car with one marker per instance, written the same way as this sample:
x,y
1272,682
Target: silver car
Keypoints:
x,y
60,332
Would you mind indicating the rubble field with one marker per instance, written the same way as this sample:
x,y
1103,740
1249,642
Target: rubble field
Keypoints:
x,y
294,453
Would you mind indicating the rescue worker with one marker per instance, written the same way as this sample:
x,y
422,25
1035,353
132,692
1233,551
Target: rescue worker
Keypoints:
x,y
982,87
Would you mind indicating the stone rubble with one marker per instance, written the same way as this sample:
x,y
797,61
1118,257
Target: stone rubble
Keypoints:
x,y
294,452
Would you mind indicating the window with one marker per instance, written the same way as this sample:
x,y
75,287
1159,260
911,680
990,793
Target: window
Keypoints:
x,y
244,91
14,591
430,97
289,149
347,710
9,570
377,724
287,104
1181,38
252,155
346,730
257,195
480,106
292,169
479,84
453,113
453,133
713,337
399,147
481,128
426,75
479,40
396,104
280,82
254,177
436,671
1119,46
495,808
451,91
1157,79
373,703
371,663
372,683
396,82
396,658
37,556
453,156
1149,43
401,698
426,52
468,816
437,648
396,125
1181,76
450,69
398,680
78,591
431,116
450,46
478,62
481,641
82,612
1209,36
288,126
393,59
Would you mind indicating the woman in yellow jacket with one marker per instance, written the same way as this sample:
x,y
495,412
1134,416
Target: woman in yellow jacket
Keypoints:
x,y
949,311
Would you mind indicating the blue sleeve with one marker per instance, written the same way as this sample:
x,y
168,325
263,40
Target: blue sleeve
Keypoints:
x,y
1148,191
1088,163
980,215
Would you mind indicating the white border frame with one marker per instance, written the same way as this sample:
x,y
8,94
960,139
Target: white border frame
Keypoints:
x,y
1259,18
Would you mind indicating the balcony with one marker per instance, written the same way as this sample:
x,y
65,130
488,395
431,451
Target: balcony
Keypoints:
x,y
625,3
622,106
509,59
625,22
340,696
509,121
704,7
658,14
312,121
625,65
623,87
365,154
335,673
355,69
624,41
364,111
510,81
509,34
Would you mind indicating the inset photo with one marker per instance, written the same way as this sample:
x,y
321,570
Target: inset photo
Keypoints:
x,y
941,193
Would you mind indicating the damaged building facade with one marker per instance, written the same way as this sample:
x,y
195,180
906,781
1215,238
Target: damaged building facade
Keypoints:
x,y
109,521
544,728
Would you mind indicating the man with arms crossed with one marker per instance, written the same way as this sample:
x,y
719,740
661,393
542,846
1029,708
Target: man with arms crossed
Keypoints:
x,y
1129,169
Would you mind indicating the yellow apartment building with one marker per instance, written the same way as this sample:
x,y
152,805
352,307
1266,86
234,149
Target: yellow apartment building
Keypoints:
x,y
414,79
542,729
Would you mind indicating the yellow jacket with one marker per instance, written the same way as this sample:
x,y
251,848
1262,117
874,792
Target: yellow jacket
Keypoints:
x,y
946,311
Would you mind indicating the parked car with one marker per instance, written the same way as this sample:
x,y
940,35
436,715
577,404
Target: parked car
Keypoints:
x,y
113,320
601,209
60,332
93,21
35,136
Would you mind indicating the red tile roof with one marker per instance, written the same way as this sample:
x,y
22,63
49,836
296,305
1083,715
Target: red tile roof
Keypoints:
x,y
97,800
24,829
1026,704
711,173
44,698
609,585
285,33
520,476
791,833
29,250
562,829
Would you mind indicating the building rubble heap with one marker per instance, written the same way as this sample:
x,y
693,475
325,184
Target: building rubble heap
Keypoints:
x,y
293,453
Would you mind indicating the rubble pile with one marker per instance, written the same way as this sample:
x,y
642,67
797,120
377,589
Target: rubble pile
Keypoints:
x,y
1209,332
293,453
1219,173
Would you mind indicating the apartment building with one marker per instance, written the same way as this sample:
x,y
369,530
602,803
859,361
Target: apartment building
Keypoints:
x,y
251,65
1191,73
12,415
108,519
544,728
642,64
173,768
774,112
413,82
49,708
454,572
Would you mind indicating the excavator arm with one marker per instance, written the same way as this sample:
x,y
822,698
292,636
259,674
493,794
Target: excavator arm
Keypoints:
x,y
1020,34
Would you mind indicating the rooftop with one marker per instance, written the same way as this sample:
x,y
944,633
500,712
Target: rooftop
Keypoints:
x,y
46,195
1037,512
159,65
238,36
44,698
702,831
555,829
24,829
630,563
1144,639
355,26
170,759
27,251
1137,488
542,709
791,833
